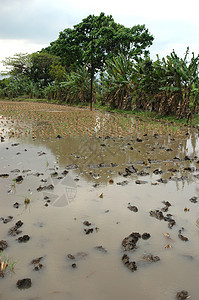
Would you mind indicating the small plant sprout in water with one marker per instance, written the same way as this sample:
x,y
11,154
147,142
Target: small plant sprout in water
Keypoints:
x,y
47,164
26,201
6,264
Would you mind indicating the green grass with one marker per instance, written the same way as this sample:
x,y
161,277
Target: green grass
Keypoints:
x,y
6,263
150,116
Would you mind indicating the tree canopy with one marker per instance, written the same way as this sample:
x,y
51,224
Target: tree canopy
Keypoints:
x,y
108,38
36,67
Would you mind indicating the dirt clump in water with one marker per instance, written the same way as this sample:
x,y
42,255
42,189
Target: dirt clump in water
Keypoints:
x,y
7,220
150,258
132,208
157,214
182,237
146,236
45,187
129,242
86,223
13,231
193,199
3,245
182,295
131,265
36,262
23,239
88,231
4,175
24,283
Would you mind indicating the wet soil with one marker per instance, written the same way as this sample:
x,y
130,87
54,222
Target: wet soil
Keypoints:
x,y
95,205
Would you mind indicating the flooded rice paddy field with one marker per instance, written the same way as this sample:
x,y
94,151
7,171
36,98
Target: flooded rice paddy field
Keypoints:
x,y
96,205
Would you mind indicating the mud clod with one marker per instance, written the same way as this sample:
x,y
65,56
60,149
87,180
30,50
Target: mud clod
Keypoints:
x,y
171,223
130,170
157,214
129,242
86,223
16,205
182,295
71,256
182,237
19,179
139,140
58,136
132,208
131,265
3,245
146,236
4,175
18,224
72,167
37,265
65,172
88,231
193,199
23,239
151,258
162,180
13,231
45,187
143,173
157,171
167,203
101,248
140,181
125,182
24,283
7,220
36,260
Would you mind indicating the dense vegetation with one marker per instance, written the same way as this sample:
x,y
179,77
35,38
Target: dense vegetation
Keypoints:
x,y
114,63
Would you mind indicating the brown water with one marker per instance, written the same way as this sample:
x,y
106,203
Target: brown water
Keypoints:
x,y
106,145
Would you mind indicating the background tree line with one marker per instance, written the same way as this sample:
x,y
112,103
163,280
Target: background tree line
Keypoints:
x,y
117,59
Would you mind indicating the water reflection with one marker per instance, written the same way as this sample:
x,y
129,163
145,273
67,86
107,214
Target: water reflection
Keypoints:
x,y
58,229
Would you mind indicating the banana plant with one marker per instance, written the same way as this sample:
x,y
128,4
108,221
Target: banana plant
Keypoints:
x,y
181,85
77,86
118,82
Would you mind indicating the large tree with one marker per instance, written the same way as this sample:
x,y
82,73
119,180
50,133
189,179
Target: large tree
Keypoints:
x,y
102,36
35,67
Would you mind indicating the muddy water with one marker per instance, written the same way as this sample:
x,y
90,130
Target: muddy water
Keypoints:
x,y
97,189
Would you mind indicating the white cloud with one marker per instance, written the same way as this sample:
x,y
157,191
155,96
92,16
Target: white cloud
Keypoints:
x,y
11,47
29,25
153,9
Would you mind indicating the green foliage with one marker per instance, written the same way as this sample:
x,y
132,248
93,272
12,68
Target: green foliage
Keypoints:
x,y
41,68
128,77
57,72
168,86
36,67
17,66
77,86
109,39
119,82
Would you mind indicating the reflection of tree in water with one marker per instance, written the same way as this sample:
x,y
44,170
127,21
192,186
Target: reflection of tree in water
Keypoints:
x,y
189,143
194,141
96,158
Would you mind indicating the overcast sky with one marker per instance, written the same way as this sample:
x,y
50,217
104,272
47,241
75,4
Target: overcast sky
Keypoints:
x,y
29,25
